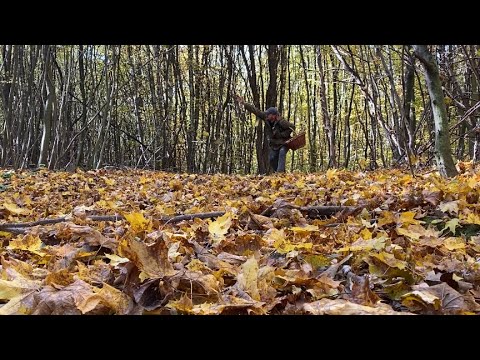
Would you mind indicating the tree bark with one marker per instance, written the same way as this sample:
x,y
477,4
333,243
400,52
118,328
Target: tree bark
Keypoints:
x,y
443,152
327,120
50,103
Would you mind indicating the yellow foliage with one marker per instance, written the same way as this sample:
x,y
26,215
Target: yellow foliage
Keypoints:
x,y
265,256
219,227
138,222
14,209
407,217
29,243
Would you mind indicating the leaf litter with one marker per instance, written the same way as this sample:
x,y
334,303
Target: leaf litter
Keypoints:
x,y
98,242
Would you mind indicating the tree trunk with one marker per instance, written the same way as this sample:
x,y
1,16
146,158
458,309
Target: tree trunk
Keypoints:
x,y
50,103
327,120
443,152
252,79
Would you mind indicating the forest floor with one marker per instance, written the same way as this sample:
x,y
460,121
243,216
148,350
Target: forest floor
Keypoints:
x,y
399,244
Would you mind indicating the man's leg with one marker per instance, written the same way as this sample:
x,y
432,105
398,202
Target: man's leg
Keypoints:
x,y
282,158
273,157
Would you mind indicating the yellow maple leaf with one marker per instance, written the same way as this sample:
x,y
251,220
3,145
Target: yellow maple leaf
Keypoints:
x,y
417,296
19,305
137,221
406,218
317,261
14,209
248,278
299,184
406,179
473,182
144,180
390,260
219,227
18,286
386,217
29,243
115,299
27,200
413,231
109,182
377,243
366,234
275,236
454,243
285,247
471,218
307,229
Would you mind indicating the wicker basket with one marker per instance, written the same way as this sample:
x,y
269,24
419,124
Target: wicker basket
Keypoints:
x,y
296,142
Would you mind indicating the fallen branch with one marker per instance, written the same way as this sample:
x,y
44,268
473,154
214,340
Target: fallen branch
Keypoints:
x,y
16,231
5,226
179,218
19,228
312,212
327,210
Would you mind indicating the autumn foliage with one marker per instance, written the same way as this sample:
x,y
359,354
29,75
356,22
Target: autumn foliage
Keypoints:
x,y
412,245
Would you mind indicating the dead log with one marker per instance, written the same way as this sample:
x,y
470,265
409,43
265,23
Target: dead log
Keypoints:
x,y
311,211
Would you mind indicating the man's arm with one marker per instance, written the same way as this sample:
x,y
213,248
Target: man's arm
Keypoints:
x,y
251,108
287,127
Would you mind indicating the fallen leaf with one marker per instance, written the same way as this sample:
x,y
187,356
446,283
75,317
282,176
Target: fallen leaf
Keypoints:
x,y
386,217
247,279
344,307
449,206
407,218
275,236
451,225
360,291
219,228
29,243
151,259
454,243
116,260
19,305
390,260
114,299
304,230
260,222
59,278
137,221
14,209
377,243
50,301
18,286
437,299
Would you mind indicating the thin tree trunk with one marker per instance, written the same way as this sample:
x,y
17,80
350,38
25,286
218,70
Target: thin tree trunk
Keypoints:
x,y
50,103
443,153
327,121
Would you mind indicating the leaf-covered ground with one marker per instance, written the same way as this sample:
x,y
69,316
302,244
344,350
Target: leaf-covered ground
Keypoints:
x,y
409,246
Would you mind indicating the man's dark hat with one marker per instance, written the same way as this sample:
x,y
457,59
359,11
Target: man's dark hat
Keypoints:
x,y
272,110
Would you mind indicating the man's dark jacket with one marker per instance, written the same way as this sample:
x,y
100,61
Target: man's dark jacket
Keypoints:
x,y
278,132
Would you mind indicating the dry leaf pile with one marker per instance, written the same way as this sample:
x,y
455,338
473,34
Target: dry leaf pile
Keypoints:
x,y
412,246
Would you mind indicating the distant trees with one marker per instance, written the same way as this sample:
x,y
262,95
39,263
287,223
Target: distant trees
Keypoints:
x,y
170,107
